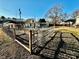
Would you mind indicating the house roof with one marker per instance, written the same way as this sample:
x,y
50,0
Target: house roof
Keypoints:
x,y
71,20
13,21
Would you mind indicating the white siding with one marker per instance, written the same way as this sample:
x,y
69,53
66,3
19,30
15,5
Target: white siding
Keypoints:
x,y
77,21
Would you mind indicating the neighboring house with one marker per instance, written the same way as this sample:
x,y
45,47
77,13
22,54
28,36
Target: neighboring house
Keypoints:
x,y
70,22
9,25
19,24
42,24
15,24
77,22
30,23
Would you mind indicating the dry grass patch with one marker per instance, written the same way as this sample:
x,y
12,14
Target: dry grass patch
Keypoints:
x,y
4,37
73,30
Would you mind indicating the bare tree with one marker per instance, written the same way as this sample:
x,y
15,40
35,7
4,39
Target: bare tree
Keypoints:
x,y
75,13
64,16
55,13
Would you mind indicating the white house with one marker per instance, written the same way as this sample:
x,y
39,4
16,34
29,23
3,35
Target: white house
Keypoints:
x,y
77,20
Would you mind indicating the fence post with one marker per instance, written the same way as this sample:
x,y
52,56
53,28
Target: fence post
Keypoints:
x,y
30,41
14,33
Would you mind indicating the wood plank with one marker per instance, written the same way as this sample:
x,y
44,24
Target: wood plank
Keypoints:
x,y
22,45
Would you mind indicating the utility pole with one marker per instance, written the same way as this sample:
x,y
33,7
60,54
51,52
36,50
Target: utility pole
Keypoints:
x,y
20,13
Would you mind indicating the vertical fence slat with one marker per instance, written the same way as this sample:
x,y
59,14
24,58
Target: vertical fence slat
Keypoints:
x,y
30,41
14,33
